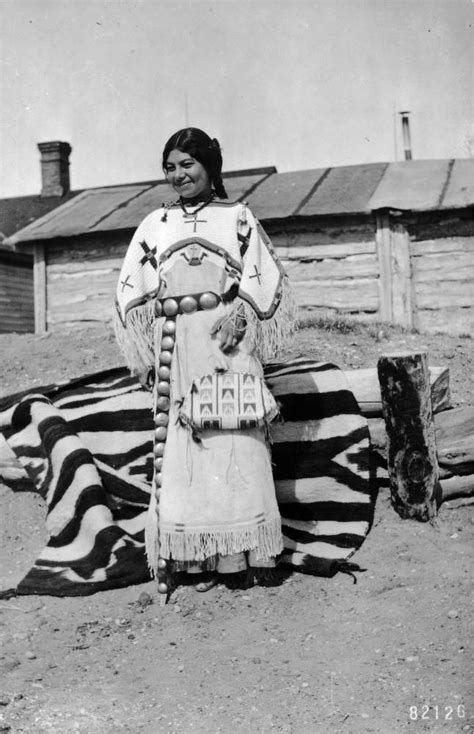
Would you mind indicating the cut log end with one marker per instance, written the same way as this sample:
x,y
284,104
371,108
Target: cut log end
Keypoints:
x,y
411,456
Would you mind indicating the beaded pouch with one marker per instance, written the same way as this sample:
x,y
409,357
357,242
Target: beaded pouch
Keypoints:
x,y
228,401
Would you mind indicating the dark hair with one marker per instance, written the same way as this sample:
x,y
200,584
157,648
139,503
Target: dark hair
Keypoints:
x,y
204,149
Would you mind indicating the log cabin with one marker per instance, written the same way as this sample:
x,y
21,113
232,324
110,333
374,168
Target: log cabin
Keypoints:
x,y
390,242
16,212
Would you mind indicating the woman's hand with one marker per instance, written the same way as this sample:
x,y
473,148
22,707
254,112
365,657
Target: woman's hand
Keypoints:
x,y
146,378
230,333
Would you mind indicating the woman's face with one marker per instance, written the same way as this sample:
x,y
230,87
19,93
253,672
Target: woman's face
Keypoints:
x,y
186,175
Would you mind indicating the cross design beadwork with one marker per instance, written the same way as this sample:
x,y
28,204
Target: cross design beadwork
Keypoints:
x,y
149,255
125,283
194,220
256,274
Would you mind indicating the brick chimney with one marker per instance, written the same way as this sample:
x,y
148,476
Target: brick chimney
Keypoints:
x,y
54,168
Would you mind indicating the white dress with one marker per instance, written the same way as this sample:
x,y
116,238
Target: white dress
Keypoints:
x,y
214,496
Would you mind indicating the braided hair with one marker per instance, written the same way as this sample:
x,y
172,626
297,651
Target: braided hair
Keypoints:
x,y
200,146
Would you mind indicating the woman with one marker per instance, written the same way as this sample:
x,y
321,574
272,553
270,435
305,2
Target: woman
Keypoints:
x,y
201,299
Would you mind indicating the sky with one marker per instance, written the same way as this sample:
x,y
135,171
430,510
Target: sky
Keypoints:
x,y
296,84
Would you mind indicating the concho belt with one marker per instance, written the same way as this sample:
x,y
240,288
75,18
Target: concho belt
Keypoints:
x,y
186,304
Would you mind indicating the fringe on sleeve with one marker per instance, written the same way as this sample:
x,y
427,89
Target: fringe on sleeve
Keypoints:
x,y
270,337
136,337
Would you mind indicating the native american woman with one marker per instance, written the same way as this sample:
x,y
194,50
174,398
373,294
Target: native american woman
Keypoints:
x,y
202,297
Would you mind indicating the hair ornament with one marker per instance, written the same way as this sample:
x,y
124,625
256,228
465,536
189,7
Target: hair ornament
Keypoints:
x,y
165,207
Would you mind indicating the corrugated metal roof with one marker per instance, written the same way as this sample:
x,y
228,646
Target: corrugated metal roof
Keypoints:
x,y
460,188
81,214
412,186
345,190
133,209
17,212
281,194
408,185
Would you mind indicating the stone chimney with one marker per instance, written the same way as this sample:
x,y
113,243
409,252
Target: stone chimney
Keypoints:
x,y
54,168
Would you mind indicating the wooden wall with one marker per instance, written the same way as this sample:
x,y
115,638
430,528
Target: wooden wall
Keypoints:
x,y
414,270
442,264
82,276
16,293
331,263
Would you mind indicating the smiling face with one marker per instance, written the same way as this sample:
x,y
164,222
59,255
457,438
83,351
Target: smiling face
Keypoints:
x,y
187,176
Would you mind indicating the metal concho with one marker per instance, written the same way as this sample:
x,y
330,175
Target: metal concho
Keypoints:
x,y
188,304
208,300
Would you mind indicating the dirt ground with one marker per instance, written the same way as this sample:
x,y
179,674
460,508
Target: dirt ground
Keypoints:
x,y
308,656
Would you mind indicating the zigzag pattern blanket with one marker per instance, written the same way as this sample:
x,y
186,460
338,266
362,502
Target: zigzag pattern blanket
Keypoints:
x,y
87,448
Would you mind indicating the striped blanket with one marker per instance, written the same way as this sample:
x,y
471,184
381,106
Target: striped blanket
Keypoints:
x,y
87,448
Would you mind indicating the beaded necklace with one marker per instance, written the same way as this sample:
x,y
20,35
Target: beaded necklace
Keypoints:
x,y
198,209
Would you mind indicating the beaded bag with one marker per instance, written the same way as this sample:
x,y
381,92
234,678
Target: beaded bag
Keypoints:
x,y
228,401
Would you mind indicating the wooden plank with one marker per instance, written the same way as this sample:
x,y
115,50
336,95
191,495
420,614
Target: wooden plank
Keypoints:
x,y
402,296
451,294
455,439
39,270
87,251
452,245
18,310
443,266
99,313
363,266
84,285
312,249
365,385
411,445
64,299
383,245
77,267
456,487
16,276
357,295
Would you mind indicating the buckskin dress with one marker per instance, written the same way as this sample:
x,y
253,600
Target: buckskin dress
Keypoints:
x,y
185,269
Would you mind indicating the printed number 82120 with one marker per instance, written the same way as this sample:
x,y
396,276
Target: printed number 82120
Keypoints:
x,y
445,713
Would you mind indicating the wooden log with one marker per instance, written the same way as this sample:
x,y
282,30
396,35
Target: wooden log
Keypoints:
x,y
350,295
39,272
411,446
448,294
455,440
363,266
383,244
451,487
366,388
454,433
402,287
456,487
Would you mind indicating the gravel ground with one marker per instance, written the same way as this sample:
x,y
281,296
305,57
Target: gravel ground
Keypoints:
x,y
309,655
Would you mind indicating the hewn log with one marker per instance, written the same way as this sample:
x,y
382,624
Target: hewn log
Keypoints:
x,y
366,388
456,487
411,445
383,244
451,487
455,440
402,286
39,272
338,294
454,433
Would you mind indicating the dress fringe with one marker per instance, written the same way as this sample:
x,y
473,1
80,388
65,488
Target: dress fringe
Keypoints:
x,y
136,338
265,539
152,540
268,337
